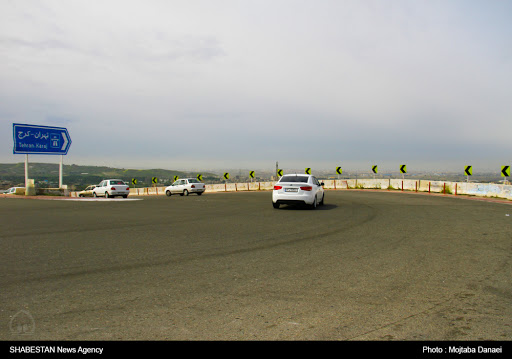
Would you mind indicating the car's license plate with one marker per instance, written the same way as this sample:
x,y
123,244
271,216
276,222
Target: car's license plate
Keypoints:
x,y
291,190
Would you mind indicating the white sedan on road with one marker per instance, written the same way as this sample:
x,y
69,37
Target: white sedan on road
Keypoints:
x,y
111,188
298,189
185,186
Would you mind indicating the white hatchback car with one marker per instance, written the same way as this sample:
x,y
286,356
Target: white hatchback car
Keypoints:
x,y
298,189
111,188
185,186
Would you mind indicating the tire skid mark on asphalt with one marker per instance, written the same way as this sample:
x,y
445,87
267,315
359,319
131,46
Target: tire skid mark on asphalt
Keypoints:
x,y
191,257
53,231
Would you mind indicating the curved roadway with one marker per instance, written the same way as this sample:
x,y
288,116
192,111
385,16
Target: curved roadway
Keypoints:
x,y
367,265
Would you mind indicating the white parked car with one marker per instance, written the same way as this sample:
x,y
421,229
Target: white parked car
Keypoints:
x,y
298,189
15,190
111,188
185,186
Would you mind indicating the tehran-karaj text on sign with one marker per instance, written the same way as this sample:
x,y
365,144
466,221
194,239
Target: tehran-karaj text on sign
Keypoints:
x,y
43,140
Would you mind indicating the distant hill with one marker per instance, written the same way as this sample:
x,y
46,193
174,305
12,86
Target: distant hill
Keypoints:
x,y
80,176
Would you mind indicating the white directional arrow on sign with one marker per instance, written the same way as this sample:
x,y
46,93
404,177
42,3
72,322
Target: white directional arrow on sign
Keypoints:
x,y
65,140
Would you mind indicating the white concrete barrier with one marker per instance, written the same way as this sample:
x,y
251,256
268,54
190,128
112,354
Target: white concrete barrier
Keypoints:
x,y
254,186
488,190
455,188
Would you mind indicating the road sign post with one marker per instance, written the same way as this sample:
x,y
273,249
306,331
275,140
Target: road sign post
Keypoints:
x,y
403,169
226,177
469,172
41,140
505,172
60,170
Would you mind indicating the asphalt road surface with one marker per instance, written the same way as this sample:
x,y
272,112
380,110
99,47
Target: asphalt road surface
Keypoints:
x,y
367,265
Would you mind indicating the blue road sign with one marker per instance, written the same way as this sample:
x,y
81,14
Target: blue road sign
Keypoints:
x,y
40,140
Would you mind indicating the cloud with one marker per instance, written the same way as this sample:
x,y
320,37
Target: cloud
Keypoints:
x,y
41,45
233,81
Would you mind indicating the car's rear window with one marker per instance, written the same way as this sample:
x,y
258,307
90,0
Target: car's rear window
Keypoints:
x,y
116,182
294,179
193,181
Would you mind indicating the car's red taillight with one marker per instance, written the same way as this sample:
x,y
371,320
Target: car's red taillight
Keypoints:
x,y
277,187
127,188
306,188
113,188
193,186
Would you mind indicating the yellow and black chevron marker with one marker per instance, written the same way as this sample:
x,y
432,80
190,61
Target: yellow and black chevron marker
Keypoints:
x,y
199,177
134,181
251,174
505,171
154,180
176,178
226,175
338,170
308,171
280,172
468,170
374,169
403,168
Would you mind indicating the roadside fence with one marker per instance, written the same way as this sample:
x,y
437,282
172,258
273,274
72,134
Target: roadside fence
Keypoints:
x,y
449,188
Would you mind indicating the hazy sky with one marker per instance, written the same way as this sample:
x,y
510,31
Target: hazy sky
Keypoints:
x,y
243,84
